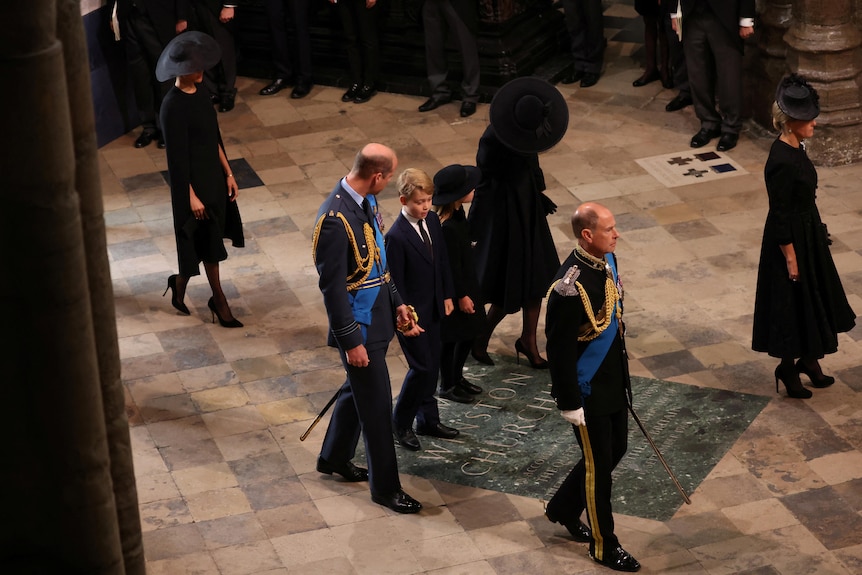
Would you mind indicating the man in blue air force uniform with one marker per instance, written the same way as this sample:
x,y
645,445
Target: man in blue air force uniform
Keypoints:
x,y
361,303
584,322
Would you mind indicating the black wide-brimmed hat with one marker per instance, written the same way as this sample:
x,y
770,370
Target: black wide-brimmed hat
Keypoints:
x,y
454,182
529,115
797,98
187,53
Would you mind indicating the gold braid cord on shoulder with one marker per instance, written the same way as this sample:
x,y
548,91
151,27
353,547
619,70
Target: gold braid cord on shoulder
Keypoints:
x,y
363,265
612,296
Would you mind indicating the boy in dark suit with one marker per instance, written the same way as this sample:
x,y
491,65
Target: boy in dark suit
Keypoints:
x,y
416,252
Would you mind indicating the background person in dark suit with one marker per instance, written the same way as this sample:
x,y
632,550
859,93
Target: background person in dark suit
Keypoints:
x,y
713,32
146,27
362,40
587,32
290,67
361,303
216,18
416,251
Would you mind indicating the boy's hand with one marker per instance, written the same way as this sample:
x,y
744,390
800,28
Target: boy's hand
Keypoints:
x,y
465,304
448,306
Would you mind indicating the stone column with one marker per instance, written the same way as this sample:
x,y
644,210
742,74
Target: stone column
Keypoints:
x,y
823,46
56,489
768,65
70,32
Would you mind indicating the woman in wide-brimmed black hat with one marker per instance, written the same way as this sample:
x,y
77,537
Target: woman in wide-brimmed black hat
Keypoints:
x,y
203,188
800,305
515,253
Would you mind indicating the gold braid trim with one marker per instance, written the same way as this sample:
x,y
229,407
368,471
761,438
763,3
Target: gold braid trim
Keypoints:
x,y
363,265
611,299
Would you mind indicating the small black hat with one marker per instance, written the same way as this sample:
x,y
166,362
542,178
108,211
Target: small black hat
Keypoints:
x,y
454,182
187,53
529,115
797,98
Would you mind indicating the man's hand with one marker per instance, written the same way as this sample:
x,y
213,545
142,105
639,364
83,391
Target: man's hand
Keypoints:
x,y
746,32
226,14
448,306
407,321
575,416
465,304
358,356
181,26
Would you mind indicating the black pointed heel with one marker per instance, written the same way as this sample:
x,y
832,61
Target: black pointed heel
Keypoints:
x,y
792,383
172,285
539,363
822,381
224,323
481,355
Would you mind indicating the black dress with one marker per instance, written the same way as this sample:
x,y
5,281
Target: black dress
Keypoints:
x,y
515,254
460,326
192,146
803,318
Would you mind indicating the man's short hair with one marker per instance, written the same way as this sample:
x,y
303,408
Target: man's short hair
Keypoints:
x,y
584,218
412,180
365,166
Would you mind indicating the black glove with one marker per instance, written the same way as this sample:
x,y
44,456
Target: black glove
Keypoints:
x,y
549,206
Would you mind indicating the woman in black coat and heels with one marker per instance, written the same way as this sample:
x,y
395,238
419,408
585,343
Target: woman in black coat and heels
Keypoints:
x,y
203,189
800,306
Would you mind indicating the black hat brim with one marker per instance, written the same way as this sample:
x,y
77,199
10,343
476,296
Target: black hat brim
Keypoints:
x,y
513,136
187,53
453,194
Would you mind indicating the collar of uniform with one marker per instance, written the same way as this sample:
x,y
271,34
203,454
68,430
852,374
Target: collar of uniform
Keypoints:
x,y
357,197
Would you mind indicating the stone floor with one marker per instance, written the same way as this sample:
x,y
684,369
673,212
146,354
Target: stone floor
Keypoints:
x,y
225,485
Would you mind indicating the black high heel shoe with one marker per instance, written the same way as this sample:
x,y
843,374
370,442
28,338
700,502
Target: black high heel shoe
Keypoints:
x,y
538,363
792,383
172,285
822,381
224,323
481,355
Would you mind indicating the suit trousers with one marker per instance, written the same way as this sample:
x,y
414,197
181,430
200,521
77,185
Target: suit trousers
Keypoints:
x,y
714,64
603,442
417,399
677,61
287,66
438,17
143,49
362,40
220,79
587,32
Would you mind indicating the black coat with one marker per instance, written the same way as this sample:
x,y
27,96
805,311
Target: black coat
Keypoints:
x,y
796,319
728,12
460,326
515,253
162,14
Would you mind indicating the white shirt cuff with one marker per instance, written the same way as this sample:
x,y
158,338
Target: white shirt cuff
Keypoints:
x,y
746,22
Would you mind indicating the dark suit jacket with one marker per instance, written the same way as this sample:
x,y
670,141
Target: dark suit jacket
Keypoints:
x,y
333,256
162,13
728,12
423,284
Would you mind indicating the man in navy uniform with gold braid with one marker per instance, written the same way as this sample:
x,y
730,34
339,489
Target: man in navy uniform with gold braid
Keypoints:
x,y
361,303
593,391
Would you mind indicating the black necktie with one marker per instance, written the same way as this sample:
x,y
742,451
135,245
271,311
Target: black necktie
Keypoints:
x,y
425,239
366,207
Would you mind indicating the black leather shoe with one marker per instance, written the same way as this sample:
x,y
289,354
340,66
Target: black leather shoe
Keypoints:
x,y
439,430
703,137
406,438
433,103
227,100
399,502
274,87
302,89
579,532
589,80
468,109
572,77
347,470
678,103
351,93
145,138
160,141
646,78
365,93
727,141
619,560
456,395
470,388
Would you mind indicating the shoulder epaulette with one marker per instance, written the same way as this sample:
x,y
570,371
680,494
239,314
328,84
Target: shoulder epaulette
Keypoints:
x,y
567,285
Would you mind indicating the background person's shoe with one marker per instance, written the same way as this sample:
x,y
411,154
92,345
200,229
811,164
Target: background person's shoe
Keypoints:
x,y
589,80
398,501
365,93
439,430
302,89
727,141
351,93
347,470
146,138
433,103
703,137
572,77
468,109
619,560
455,394
678,103
274,87
405,437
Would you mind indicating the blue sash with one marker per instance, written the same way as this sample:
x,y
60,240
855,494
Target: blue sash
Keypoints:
x,y
596,350
363,299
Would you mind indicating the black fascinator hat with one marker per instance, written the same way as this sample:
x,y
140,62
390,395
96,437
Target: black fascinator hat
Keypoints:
x,y
454,182
529,115
187,53
797,98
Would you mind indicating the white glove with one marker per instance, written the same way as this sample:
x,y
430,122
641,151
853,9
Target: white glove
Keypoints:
x,y
575,416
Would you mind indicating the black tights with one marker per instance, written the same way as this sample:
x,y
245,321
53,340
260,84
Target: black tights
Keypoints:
x,y
212,271
452,359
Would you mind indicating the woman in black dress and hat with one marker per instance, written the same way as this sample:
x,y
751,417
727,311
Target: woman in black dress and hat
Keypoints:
x,y
800,306
203,189
515,254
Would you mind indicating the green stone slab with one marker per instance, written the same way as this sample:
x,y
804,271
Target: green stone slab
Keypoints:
x,y
513,439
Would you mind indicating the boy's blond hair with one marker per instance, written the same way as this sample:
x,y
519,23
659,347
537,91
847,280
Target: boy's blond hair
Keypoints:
x,y
413,179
